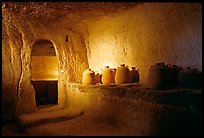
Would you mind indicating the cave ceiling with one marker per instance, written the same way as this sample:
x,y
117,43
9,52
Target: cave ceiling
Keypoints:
x,y
53,11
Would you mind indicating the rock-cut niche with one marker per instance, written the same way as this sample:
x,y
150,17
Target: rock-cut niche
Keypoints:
x,y
44,68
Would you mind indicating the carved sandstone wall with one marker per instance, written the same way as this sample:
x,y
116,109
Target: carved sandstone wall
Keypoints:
x,y
139,36
19,33
146,34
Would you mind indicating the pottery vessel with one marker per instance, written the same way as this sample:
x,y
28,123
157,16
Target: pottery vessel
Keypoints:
x,y
157,76
107,76
189,77
173,71
134,75
88,77
129,75
114,72
97,78
122,75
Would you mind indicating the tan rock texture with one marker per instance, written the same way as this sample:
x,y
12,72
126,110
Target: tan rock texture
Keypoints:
x,y
20,30
46,69
93,35
140,111
146,34
118,111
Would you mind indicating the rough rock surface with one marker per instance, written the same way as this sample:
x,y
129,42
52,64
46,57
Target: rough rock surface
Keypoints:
x,y
147,34
92,35
49,116
142,111
122,110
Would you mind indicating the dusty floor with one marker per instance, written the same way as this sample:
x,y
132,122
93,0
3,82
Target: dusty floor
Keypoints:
x,y
81,126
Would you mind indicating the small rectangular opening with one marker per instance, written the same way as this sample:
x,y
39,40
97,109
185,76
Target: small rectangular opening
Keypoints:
x,y
45,92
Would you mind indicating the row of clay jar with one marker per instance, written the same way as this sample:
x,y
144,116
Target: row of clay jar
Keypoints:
x,y
161,76
190,78
121,75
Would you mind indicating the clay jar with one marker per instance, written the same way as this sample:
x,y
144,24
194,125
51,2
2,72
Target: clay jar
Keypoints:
x,y
114,71
173,75
122,75
134,75
157,76
97,78
88,77
189,78
129,75
197,77
107,76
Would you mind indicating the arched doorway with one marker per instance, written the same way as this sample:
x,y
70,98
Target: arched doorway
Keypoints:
x,y
44,69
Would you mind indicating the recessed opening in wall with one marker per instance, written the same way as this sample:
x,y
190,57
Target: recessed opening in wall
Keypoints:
x,y
44,68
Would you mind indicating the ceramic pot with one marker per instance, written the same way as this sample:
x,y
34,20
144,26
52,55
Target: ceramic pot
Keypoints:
x,y
114,72
97,78
190,78
88,77
173,75
122,75
157,77
134,75
129,75
197,78
184,78
107,76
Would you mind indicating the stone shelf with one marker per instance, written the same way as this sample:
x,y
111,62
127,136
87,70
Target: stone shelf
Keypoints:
x,y
184,97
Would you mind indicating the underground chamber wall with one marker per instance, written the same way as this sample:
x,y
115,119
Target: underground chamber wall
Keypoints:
x,y
44,70
114,106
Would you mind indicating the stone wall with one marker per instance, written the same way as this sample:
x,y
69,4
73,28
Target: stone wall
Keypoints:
x,y
141,111
44,68
146,34
19,33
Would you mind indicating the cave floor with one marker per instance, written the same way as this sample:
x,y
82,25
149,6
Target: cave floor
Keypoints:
x,y
84,125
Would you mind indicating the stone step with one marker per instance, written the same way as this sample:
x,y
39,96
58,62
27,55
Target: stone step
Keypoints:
x,y
39,118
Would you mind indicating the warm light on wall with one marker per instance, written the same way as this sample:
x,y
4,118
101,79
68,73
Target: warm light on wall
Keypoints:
x,y
106,47
55,73
44,68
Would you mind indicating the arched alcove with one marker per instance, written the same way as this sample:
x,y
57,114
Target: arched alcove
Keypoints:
x,y
44,68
